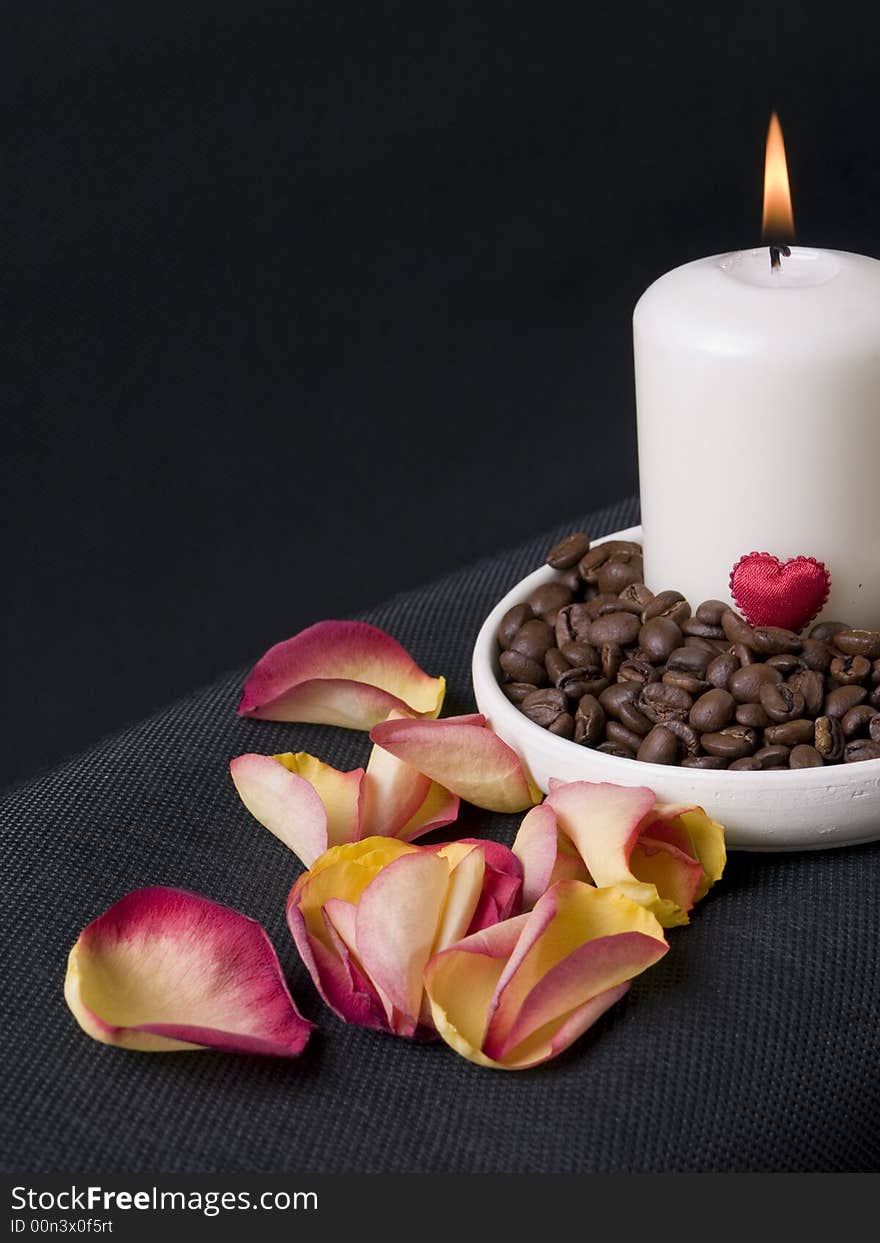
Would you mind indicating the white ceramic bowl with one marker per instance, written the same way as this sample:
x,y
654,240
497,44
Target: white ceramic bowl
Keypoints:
x,y
801,809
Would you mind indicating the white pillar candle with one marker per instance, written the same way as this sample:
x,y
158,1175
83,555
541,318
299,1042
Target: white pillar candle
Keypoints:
x,y
758,398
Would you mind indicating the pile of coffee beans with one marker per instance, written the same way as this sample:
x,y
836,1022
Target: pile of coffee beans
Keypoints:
x,y
596,657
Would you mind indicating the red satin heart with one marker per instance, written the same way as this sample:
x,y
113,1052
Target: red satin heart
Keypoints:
x,y
769,592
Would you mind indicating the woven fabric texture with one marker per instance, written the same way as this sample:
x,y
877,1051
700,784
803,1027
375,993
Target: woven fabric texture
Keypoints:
x,y
751,1047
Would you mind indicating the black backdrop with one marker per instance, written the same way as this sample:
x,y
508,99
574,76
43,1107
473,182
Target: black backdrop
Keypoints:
x,y
310,301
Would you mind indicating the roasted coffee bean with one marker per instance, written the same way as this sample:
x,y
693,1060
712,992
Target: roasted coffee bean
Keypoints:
x,y
686,734
589,721
659,638
874,679
827,629
850,669
791,734
599,554
622,737
511,622
786,663
519,668
620,704
569,550
591,686
861,749
773,641
658,701
812,686
858,643
715,762
556,665
720,669
659,747
576,683
578,620
641,671
572,580
704,645
611,656
711,612
857,720
611,748
563,628
671,604
731,743
746,764
745,684
582,656
548,599
874,727
603,603
838,702
637,593
874,698
752,715
517,691
613,699
563,726
693,686
700,629
805,756
543,707
829,740
816,654
737,629
690,660
745,655
619,572
773,757
712,711
589,563
619,628
781,702
533,639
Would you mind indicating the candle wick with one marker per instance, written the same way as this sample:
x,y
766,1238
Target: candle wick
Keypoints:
x,y
777,250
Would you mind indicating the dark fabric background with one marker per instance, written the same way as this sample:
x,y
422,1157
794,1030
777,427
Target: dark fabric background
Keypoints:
x,y
752,1046
310,301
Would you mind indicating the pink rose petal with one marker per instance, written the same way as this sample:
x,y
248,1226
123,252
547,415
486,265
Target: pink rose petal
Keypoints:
x,y
287,805
164,969
463,756
339,673
397,922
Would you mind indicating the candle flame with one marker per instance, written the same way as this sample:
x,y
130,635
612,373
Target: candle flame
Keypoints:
x,y
778,225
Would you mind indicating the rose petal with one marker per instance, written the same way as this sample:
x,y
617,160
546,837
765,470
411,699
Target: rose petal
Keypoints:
x,y
521,992
674,874
393,794
337,978
397,920
462,898
460,982
604,821
339,673
700,836
287,805
164,969
546,854
463,756
596,940
439,808
340,792
650,852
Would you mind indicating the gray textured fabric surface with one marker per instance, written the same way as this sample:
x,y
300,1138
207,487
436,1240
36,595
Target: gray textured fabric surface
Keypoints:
x,y
750,1047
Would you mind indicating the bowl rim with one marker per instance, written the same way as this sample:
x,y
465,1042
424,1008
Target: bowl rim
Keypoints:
x,y
483,671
